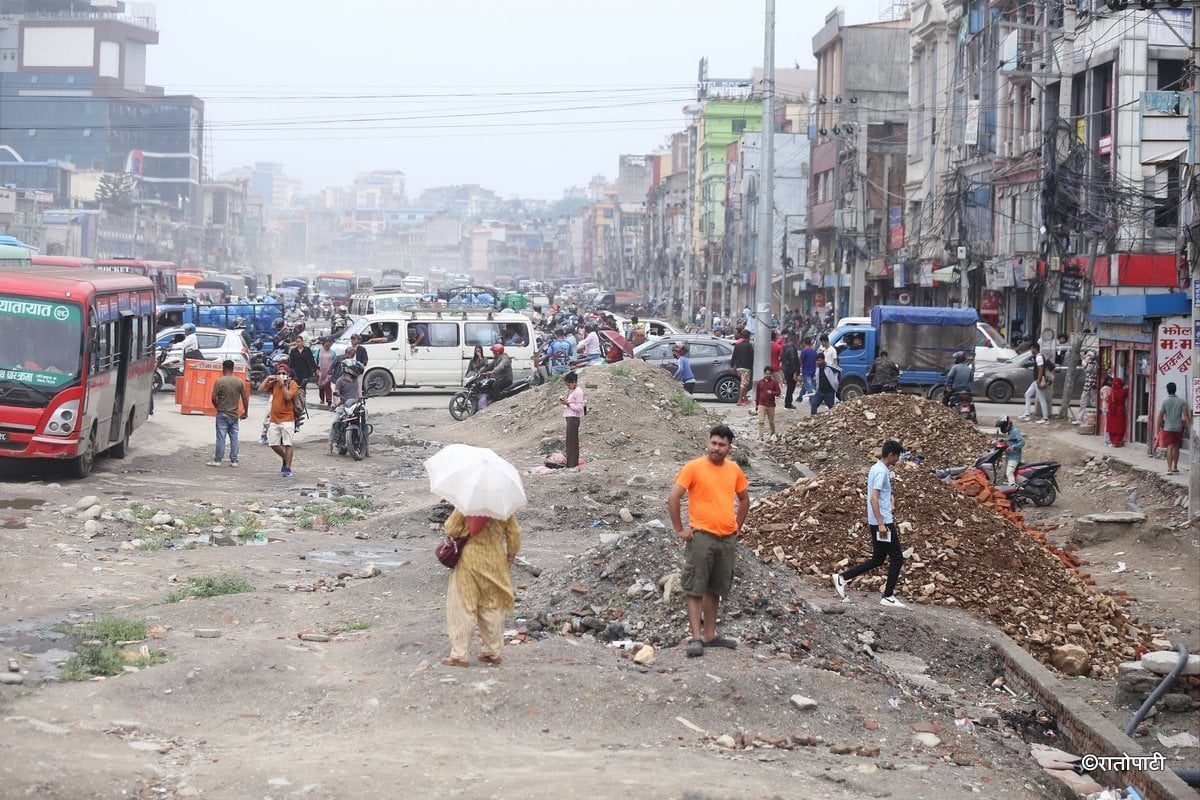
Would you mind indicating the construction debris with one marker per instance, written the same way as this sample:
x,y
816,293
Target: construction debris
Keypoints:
x,y
956,553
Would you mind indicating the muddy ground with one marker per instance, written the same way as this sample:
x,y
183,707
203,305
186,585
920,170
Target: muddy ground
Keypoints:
x,y
320,683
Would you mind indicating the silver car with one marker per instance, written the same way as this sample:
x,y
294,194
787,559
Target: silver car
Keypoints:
x,y
709,356
1006,380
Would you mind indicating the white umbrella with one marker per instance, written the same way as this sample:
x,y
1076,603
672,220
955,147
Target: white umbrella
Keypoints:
x,y
476,481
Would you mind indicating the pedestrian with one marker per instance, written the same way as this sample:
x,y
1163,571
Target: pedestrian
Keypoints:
x,y
574,407
826,385
683,367
282,414
830,352
325,361
1041,381
776,353
231,399
885,536
1102,418
742,360
751,323
808,367
1091,384
360,352
711,483
480,587
790,361
1173,418
764,400
1114,421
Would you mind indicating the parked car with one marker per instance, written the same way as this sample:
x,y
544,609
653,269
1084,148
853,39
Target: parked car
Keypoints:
x,y
217,344
709,356
1009,379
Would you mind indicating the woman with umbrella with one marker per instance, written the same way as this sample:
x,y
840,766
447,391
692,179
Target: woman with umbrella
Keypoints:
x,y
486,490
1114,421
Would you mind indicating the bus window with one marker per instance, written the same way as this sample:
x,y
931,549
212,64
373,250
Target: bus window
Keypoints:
x,y
443,334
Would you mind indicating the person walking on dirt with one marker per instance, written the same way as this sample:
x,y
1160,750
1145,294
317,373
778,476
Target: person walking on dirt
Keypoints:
x,y
1041,381
826,385
1173,418
743,361
574,409
326,358
480,588
765,392
282,414
885,536
790,361
231,399
1114,421
711,483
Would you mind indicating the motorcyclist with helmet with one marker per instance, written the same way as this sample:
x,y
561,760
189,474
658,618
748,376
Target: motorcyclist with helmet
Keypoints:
x,y
191,343
500,371
884,374
346,390
958,379
1014,442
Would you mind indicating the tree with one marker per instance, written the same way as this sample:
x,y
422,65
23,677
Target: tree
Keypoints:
x,y
115,191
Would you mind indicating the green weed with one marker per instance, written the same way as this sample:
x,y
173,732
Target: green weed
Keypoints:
x,y
360,625
111,630
99,652
684,403
211,586
345,509
622,371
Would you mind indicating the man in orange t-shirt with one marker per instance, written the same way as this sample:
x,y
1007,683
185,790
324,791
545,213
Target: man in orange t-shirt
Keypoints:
x,y
711,484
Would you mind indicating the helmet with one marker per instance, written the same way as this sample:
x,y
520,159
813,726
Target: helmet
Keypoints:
x,y
497,349
189,327
239,323
1003,424
279,357
960,357
277,323
352,367
591,327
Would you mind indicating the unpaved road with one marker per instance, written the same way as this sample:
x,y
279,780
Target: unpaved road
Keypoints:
x,y
259,713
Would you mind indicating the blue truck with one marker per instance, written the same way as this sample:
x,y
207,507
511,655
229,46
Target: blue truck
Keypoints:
x,y
258,316
921,340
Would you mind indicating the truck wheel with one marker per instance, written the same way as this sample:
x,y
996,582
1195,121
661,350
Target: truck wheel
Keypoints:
x,y
851,390
935,392
378,383
1000,392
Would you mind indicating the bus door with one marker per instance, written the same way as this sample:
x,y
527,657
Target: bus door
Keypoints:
x,y
124,346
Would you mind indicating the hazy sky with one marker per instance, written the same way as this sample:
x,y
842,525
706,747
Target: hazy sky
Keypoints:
x,y
525,97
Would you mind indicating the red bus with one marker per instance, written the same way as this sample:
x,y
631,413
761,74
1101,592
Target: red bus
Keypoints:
x,y
63,262
76,363
337,286
163,273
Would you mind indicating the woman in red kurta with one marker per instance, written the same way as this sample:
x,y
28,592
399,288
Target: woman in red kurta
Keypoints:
x,y
1114,421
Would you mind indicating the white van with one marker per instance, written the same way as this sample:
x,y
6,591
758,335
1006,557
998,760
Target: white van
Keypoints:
x,y
432,348
382,303
990,346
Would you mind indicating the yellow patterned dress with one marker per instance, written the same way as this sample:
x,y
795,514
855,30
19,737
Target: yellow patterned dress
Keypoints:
x,y
480,589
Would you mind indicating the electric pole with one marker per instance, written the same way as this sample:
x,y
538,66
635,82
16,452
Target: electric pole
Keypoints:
x,y
1192,393
766,203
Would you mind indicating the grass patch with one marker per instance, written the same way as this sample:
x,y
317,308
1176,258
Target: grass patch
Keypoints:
x,y
202,519
211,586
622,371
684,403
345,509
554,378
359,625
100,653
111,630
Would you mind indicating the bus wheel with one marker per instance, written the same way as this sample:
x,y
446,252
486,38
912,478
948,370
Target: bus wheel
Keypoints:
x,y
81,466
121,448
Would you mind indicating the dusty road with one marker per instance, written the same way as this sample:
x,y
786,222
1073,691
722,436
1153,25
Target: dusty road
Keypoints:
x,y
322,684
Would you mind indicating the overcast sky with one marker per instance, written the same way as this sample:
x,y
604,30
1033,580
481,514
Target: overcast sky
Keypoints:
x,y
525,97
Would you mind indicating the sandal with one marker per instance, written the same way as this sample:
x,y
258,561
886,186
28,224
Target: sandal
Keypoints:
x,y
493,661
450,661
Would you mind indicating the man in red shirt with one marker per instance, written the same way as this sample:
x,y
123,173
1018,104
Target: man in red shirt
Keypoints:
x,y
765,392
776,352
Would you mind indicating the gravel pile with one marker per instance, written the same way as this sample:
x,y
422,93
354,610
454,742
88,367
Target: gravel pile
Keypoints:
x,y
957,553
851,434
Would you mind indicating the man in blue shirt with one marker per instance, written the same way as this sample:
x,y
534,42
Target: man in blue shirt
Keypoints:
x,y
885,536
808,367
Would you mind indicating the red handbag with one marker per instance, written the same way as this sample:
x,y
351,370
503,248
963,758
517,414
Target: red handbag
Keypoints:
x,y
449,550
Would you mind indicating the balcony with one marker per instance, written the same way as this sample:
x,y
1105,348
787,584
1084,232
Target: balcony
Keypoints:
x,y
148,23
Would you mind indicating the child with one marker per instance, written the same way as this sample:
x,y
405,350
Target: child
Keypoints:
x,y
765,393
1105,392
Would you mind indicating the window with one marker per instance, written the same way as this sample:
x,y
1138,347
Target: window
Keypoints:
x,y
484,333
33,131
699,350
87,132
443,334
1166,210
739,125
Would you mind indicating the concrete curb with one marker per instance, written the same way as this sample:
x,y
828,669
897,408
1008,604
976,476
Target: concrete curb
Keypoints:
x,y
1087,730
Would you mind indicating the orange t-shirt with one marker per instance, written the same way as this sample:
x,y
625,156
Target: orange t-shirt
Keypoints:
x,y
711,491
282,407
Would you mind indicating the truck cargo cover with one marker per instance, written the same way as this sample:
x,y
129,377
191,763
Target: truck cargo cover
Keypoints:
x,y
923,315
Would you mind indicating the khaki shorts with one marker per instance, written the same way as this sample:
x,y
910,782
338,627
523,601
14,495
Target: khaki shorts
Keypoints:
x,y
708,564
279,434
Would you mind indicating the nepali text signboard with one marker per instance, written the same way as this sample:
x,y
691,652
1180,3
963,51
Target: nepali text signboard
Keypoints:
x,y
1173,353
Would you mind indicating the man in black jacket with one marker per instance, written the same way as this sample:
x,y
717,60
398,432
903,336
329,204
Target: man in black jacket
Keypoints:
x,y
743,362
791,368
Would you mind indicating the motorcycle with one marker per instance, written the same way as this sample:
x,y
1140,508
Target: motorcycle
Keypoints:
x,y
465,402
338,324
167,369
352,432
258,365
1036,481
964,403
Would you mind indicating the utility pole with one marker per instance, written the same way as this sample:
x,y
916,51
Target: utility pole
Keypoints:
x,y
1193,392
766,202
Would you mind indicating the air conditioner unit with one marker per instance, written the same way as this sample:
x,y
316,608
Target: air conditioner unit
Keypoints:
x,y
1006,149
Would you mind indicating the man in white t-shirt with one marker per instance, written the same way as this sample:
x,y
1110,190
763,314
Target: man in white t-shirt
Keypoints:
x,y
885,536
1041,381
830,352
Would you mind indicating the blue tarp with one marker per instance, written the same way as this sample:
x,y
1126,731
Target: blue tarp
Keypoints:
x,y
923,315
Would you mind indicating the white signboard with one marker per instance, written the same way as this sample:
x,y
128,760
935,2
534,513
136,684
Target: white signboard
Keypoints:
x,y
1172,357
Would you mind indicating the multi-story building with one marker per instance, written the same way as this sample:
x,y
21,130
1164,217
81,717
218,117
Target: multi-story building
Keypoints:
x,y
73,88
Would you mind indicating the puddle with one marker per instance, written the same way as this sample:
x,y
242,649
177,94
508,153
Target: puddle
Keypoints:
x,y
395,557
22,502
38,650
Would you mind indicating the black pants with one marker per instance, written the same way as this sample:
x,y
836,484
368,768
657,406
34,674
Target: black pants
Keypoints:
x,y
573,441
880,551
791,390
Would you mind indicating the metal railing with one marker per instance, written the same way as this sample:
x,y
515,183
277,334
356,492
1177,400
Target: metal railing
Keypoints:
x,y
147,23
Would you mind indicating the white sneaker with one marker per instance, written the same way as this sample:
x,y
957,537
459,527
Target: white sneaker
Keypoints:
x,y
233,463
1042,422
839,585
213,464
1074,422
892,602
1025,417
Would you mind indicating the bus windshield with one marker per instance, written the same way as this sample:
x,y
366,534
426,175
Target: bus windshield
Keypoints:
x,y
40,348
334,287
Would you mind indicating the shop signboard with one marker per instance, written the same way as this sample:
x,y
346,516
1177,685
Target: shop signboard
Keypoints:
x,y
1173,355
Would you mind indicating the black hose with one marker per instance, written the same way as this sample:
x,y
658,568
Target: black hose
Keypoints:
x,y
1159,690
1189,776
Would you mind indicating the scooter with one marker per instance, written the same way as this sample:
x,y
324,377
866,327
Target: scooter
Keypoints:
x,y
352,432
964,403
167,368
1036,481
465,402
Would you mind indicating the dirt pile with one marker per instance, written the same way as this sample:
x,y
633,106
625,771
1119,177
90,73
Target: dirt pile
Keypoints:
x,y
957,553
632,406
851,434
